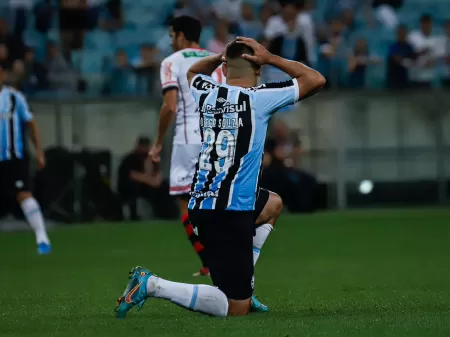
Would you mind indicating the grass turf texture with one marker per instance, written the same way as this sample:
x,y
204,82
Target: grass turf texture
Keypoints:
x,y
364,273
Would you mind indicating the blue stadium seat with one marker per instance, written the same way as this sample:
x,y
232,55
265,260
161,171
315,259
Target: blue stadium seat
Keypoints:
x,y
125,38
98,40
92,62
95,84
207,35
38,41
76,59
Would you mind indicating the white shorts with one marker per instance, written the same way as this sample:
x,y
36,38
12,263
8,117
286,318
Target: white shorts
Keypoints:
x,y
182,167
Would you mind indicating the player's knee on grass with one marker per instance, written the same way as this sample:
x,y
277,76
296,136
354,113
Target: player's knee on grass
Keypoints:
x,y
23,195
239,307
272,210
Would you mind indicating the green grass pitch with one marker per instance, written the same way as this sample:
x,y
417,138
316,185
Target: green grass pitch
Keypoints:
x,y
360,273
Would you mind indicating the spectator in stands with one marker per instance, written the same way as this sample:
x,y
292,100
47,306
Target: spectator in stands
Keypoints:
x,y
111,17
4,57
73,22
267,11
43,12
139,178
307,28
332,54
15,45
385,11
426,46
198,9
147,57
228,10
17,77
281,159
182,8
400,58
121,79
358,63
221,38
60,74
446,54
278,24
290,44
249,26
36,73
146,67
19,15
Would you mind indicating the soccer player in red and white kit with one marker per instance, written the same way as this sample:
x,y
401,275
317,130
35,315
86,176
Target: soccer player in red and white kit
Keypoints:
x,y
179,105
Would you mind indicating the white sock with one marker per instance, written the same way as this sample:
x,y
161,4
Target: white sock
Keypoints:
x,y
262,232
33,214
202,298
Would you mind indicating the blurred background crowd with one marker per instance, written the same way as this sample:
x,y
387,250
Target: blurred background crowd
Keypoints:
x,y
91,70
114,47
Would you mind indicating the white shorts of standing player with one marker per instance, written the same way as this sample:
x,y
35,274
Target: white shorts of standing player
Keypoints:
x,y
182,167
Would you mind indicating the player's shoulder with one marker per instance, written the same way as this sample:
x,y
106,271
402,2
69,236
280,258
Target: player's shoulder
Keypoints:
x,y
16,93
273,86
173,58
204,83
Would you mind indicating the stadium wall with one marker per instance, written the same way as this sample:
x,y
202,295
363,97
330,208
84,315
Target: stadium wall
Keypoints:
x,y
357,135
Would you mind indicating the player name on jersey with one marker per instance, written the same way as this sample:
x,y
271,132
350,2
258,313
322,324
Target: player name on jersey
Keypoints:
x,y
223,123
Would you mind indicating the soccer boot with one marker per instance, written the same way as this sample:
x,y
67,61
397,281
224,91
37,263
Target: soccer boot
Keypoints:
x,y
44,248
257,306
202,272
135,293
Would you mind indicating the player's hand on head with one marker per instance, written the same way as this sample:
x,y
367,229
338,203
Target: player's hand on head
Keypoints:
x,y
260,55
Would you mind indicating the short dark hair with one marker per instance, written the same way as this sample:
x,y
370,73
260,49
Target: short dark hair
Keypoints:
x,y
426,18
235,50
189,26
143,141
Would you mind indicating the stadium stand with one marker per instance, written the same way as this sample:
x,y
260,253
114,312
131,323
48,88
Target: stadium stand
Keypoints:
x,y
145,22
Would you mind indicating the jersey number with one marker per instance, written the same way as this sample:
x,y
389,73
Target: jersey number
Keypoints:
x,y
224,145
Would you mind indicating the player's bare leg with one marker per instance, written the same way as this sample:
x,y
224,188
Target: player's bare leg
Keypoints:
x,y
33,215
192,236
239,307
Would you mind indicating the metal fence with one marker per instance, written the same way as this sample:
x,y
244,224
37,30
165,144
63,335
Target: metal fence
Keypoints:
x,y
349,136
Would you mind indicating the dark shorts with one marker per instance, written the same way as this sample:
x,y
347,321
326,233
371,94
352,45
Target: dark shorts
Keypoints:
x,y
228,240
13,177
261,201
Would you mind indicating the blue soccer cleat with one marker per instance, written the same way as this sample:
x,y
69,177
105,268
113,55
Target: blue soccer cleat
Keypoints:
x,y
135,293
257,306
44,248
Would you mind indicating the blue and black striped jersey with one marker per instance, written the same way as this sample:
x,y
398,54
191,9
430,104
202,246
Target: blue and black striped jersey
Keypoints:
x,y
14,113
233,124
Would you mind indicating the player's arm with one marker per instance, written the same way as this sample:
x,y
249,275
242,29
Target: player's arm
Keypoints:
x,y
169,83
206,66
309,80
27,117
166,114
35,137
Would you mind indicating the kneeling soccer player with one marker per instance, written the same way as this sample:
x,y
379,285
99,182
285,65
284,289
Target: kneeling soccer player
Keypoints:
x,y
143,284
233,123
